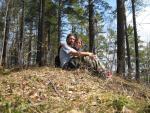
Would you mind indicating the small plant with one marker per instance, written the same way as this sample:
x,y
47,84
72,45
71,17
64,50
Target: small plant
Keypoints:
x,y
119,103
146,109
5,71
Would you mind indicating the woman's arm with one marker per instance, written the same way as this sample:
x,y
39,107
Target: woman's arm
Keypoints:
x,y
82,54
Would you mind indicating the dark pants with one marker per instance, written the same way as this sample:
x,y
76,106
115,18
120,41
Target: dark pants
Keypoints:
x,y
76,62
73,63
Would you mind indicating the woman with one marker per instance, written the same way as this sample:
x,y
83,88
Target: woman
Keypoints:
x,y
92,61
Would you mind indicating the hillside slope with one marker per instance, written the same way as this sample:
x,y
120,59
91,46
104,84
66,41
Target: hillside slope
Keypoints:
x,y
53,90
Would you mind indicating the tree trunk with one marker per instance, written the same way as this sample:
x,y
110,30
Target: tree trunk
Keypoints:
x,y
17,44
40,44
39,41
30,44
6,34
49,44
20,57
128,52
127,44
136,42
120,38
59,21
91,27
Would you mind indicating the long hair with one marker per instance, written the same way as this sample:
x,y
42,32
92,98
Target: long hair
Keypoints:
x,y
79,39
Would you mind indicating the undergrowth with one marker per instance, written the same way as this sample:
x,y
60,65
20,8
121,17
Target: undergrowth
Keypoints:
x,y
48,89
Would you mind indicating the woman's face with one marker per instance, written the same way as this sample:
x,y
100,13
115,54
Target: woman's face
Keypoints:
x,y
78,44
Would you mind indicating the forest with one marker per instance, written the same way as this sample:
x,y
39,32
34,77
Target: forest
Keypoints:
x,y
30,32
30,36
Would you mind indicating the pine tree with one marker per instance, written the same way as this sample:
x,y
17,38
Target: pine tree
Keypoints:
x,y
6,33
40,44
91,27
136,41
120,38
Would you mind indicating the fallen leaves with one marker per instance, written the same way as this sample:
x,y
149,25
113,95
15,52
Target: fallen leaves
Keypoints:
x,y
52,89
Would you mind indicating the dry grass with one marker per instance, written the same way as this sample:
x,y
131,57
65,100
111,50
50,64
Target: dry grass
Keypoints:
x,y
53,90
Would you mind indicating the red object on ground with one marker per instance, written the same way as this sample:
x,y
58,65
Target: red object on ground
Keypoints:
x,y
109,74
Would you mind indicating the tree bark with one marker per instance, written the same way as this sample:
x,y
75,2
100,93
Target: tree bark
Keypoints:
x,y
6,34
127,44
120,38
91,27
136,41
39,58
59,21
30,44
49,45
20,57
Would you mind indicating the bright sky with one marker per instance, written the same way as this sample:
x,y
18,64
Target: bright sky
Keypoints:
x,y
143,24
142,19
